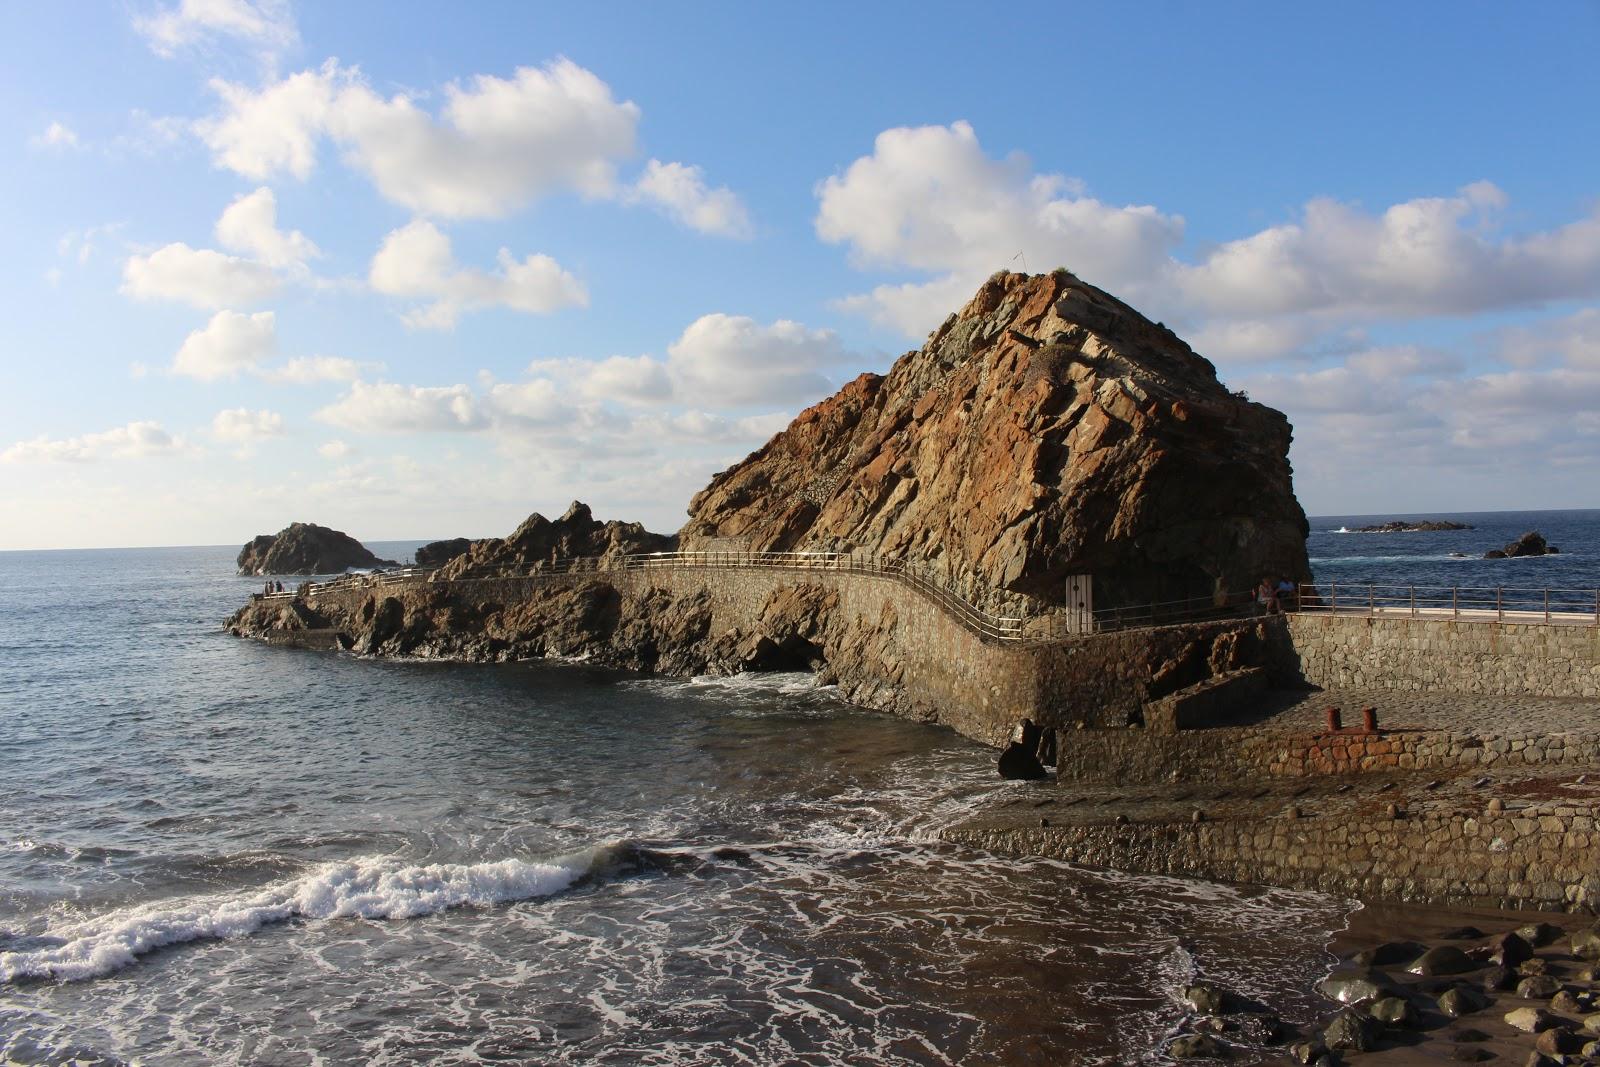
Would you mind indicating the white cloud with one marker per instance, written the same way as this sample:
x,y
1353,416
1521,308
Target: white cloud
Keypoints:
x,y
335,450
242,425
416,262
497,145
1573,340
733,360
198,276
679,191
250,225
308,370
133,440
620,379
387,408
1250,340
928,198
231,342
267,26
1430,256
56,135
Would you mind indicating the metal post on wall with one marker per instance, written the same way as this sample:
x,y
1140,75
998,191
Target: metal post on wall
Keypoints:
x,y
1499,604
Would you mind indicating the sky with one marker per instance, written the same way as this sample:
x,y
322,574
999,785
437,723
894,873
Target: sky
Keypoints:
x,y
417,270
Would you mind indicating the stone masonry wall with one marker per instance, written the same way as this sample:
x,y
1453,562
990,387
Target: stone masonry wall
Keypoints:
x,y
1447,655
1545,856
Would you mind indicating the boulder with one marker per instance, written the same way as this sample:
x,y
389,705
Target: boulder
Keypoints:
x,y
1046,430
1498,978
1564,1003
1446,959
1389,953
1351,1031
1392,1011
306,548
438,553
540,542
1585,944
1197,1046
1020,763
1508,950
1352,986
1206,998
1558,1041
1461,1001
1538,987
1531,1020
1531,543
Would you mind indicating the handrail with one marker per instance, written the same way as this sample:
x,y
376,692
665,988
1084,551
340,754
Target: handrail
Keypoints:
x,y
1500,603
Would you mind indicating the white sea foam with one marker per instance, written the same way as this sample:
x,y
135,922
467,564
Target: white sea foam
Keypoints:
x,y
368,888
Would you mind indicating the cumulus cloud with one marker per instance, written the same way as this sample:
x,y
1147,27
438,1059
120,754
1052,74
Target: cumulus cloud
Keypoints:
x,y
416,262
242,426
930,199
133,440
335,450
1429,256
249,225
734,360
497,144
679,191
198,276
56,135
267,26
231,342
388,408
629,380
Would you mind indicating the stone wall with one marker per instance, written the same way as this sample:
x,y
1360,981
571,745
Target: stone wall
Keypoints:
x,y
1241,753
1543,856
1447,655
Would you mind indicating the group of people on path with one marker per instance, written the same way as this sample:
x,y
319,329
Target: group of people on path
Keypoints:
x,y
273,587
1274,596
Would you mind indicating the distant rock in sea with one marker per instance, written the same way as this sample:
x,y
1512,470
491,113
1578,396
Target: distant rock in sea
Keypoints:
x,y
438,553
1427,526
306,548
576,534
1531,543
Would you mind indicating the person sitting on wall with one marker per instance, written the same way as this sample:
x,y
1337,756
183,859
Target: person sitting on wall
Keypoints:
x,y
1266,598
1286,594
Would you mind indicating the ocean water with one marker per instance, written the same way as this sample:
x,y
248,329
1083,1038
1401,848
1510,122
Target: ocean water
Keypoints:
x,y
1454,559
214,852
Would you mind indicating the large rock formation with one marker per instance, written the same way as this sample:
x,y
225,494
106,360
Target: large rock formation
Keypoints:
x,y
1046,430
436,553
306,548
540,542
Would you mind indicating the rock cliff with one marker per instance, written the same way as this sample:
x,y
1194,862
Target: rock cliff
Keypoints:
x,y
306,548
436,553
1047,429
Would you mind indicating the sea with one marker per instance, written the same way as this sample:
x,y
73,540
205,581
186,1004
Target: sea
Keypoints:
x,y
217,852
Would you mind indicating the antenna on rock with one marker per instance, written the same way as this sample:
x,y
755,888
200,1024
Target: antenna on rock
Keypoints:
x,y
1024,259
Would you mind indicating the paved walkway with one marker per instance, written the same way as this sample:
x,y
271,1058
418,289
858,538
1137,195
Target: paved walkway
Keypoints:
x,y
1298,711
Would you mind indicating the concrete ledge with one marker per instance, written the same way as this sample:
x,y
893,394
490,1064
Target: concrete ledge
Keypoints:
x,y
1205,703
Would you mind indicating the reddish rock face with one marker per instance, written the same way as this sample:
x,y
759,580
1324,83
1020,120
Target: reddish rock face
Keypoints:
x,y
1046,430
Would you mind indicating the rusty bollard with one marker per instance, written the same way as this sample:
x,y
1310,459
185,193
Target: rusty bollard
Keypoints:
x,y
1334,722
1369,720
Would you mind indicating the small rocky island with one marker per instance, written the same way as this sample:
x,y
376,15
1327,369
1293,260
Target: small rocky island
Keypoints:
x,y
1531,543
1425,526
306,548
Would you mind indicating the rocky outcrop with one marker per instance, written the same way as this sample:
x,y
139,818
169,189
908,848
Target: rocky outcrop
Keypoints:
x,y
306,548
1426,526
540,542
1531,543
1046,430
438,553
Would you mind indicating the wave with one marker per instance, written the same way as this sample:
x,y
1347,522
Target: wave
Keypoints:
x,y
366,887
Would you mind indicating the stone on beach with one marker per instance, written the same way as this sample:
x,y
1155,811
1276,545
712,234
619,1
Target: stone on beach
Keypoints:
x,y
1531,1020
1198,1046
1351,1031
1350,987
1445,959
1460,1001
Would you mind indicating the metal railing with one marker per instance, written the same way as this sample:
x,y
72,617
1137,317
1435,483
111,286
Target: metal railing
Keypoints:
x,y
1571,607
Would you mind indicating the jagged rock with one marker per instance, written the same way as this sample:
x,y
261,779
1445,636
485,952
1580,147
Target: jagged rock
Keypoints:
x,y
1307,1051
306,548
1445,959
1558,1041
1585,944
1046,430
1018,762
438,553
1498,978
1509,950
1536,965
1426,526
541,542
1531,543
1564,1003
1351,1031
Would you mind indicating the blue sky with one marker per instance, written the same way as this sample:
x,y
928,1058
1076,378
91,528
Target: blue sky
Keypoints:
x,y
416,273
